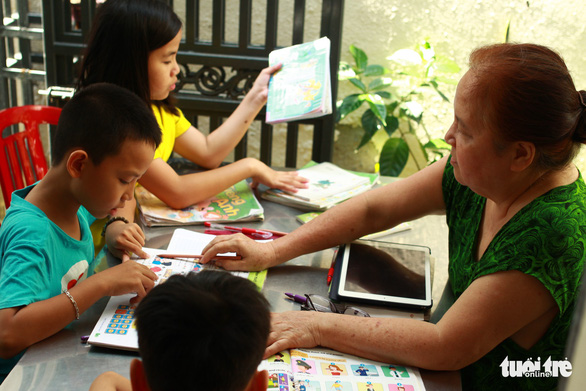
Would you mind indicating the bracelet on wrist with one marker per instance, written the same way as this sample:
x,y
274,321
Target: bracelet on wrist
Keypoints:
x,y
113,219
72,302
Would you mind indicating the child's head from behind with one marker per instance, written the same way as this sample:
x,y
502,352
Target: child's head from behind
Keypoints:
x,y
124,33
105,139
209,330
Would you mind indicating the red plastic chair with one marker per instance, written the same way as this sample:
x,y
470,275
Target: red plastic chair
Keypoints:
x,y
22,160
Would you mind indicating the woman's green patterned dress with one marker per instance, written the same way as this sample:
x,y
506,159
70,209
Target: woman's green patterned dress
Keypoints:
x,y
547,240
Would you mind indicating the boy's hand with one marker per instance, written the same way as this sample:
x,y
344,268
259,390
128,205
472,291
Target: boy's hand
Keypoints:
x,y
123,239
128,277
283,180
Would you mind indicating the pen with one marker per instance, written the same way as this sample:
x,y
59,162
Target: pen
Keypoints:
x,y
331,269
249,231
193,256
296,298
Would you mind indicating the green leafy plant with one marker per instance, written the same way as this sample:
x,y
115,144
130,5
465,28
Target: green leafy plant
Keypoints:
x,y
393,95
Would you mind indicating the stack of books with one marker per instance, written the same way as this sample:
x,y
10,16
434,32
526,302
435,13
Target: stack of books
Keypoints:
x,y
328,185
236,203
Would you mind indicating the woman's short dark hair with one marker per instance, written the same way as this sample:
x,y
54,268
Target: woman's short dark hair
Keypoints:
x,y
526,93
123,34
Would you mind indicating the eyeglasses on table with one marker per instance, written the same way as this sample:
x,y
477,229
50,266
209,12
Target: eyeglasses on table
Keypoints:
x,y
321,304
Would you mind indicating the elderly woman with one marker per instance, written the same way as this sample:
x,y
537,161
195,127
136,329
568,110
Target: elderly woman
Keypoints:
x,y
516,210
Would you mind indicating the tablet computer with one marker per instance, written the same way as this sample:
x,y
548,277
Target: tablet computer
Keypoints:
x,y
382,273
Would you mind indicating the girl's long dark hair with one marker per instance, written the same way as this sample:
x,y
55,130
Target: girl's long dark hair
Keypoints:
x,y
123,34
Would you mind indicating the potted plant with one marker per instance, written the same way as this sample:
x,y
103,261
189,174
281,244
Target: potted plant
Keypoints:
x,y
394,97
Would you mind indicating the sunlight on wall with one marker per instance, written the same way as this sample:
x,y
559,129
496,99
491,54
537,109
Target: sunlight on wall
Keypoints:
x,y
455,28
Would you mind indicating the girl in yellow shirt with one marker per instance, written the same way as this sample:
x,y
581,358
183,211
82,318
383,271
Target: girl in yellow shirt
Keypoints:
x,y
134,43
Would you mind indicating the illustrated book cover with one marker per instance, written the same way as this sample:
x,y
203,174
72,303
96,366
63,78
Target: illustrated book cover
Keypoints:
x,y
302,87
237,203
328,186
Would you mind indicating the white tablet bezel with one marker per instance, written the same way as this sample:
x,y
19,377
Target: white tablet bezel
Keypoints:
x,y
373,298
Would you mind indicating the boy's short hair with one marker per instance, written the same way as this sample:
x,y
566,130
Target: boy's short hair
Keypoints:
x,y
99,119
204,331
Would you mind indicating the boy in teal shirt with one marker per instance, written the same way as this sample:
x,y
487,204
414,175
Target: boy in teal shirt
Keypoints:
x,y
104,142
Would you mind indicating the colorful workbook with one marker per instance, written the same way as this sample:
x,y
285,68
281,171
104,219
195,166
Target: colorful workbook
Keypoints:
x,y
236,203
324,370
328,186
301,88
116,327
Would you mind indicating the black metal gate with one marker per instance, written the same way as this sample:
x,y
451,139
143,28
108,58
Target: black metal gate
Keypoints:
x,y
211,50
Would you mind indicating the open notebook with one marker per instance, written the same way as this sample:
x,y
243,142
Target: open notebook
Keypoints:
x,y
116,327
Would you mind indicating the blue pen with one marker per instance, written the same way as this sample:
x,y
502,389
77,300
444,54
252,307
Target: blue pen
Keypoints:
x,y
296,298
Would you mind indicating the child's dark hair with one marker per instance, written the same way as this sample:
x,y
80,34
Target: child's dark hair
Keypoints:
x,y
123,34
204,331
99,119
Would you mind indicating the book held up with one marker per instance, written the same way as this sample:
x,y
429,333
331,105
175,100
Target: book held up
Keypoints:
x,y
302,87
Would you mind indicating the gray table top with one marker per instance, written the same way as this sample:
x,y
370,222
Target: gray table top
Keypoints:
x,y
62,362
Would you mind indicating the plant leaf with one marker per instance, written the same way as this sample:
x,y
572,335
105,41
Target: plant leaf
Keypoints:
x,y
345,71
377,105
393,157
392,124
370,125
348,105
406,57
380,83
360,57
375,70
358,83
384,94
413,110
437,143
446,65
441,94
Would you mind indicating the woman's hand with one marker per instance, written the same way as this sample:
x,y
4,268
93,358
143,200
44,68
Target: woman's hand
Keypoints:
x,y
293,329
125,238
255,256
283,180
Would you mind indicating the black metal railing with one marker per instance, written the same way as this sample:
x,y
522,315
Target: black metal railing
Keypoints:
x,y
217,64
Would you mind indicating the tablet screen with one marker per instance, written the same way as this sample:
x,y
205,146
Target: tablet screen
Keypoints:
x,y
385,273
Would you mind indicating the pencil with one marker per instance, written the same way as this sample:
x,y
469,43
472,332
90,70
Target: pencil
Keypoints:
x,y
276,233
194,256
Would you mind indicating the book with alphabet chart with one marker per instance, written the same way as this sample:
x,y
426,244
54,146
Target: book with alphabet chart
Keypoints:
x,y
321,369
301,88
237,203
116,327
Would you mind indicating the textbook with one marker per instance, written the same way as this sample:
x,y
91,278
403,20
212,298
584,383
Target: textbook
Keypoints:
x,y
328,186
324,369
237,203
301,88
116,327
